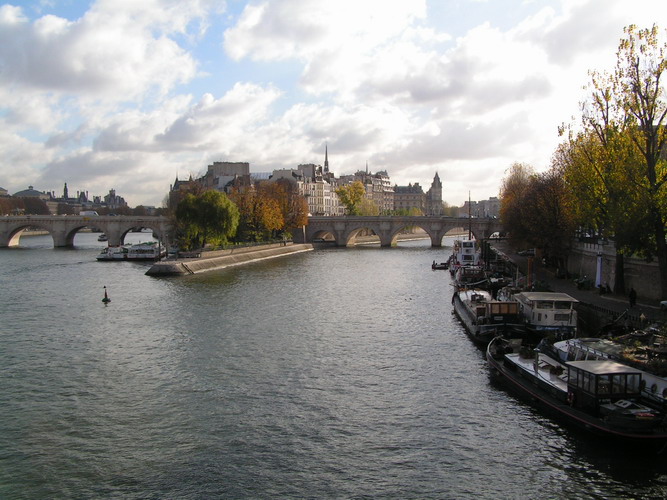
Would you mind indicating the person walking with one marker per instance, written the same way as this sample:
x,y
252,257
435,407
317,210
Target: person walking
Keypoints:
x,y
633,297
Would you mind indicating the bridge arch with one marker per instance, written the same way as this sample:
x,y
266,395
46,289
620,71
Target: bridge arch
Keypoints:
x,y
15,231
64,228
344,229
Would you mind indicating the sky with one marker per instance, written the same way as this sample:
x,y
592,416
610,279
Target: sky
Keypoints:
x,y
129,95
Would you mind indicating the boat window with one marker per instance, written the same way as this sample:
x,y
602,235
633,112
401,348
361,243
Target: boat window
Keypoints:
x,y
603,384
562,305
587,382
634,383
618,384
544,304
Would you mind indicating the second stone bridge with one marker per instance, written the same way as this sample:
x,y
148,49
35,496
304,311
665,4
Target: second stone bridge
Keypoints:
x,y
344,230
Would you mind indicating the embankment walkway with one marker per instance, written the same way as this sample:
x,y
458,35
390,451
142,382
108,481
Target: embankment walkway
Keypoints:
x,y
607,307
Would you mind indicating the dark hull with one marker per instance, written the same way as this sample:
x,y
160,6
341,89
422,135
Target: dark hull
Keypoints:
x,y
539,397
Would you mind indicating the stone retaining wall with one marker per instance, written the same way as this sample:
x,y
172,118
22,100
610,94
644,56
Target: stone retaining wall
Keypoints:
x,y
641,275
221,259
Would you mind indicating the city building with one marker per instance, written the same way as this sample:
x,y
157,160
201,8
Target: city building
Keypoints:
x,y
483,208
33,193
410,197
378,187
222,175
113,201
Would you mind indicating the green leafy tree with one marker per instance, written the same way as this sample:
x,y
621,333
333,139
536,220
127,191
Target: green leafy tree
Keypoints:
x,y
210,217
625,119
350,195
368,207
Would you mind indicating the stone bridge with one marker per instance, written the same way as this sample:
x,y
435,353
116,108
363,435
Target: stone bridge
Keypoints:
x,y
63,228
344,230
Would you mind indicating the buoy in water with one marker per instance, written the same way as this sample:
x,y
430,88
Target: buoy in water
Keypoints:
x,y
106,298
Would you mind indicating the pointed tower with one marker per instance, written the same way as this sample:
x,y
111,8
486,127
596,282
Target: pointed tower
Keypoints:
x,y
326,159
65,193
434,197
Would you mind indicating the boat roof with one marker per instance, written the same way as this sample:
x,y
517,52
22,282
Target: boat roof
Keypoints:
x,y
559,296
603,367
601,345
469,292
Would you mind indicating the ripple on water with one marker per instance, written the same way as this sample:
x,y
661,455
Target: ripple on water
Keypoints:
x,y
333,374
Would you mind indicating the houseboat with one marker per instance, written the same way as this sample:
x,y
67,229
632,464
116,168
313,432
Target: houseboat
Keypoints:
x,y
603,397
548,313
485,318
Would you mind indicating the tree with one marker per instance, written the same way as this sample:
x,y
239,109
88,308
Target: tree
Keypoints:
x,y
260,216
368,207
140,211
597,167
626,113
35,206
292,205
550,222
350,195
513,193
210,217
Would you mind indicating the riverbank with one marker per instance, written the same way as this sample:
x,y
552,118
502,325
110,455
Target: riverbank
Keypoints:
x,y
220,259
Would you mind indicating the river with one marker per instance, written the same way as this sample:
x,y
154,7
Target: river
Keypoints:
x,y
337,373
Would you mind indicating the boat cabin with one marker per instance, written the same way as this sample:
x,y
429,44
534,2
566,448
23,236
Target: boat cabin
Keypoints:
x,y
465,253
500,310
469,275
549,312
594,382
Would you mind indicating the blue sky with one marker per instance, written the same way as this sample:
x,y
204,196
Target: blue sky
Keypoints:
x,y
127,95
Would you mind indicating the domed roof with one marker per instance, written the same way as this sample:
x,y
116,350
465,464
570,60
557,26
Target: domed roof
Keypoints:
x,y
30,193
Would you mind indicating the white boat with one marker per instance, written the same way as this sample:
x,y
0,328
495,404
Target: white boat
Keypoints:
x,y
549,313
141,251
145,251
113,253
102,237
465,253
485,318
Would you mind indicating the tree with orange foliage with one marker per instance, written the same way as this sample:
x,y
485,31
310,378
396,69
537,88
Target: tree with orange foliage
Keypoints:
x,y
260,215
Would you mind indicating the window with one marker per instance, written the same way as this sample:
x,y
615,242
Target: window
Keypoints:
x,y
603,384
634,383
618,384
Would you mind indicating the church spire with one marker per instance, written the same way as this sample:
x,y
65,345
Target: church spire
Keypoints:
x,y
326,158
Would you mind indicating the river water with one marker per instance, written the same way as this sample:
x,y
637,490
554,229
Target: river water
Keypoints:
x,y
338,373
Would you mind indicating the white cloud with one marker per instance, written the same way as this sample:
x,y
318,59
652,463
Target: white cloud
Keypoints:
x,y
104,100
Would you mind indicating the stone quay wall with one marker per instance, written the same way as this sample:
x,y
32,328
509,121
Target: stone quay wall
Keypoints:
x,y
639,274
221,259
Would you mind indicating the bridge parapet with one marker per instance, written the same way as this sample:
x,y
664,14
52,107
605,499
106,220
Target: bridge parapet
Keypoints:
x,y
63,228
